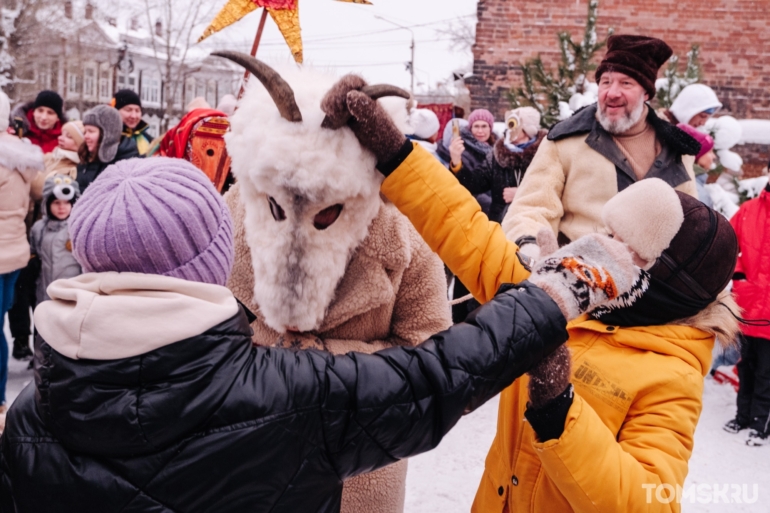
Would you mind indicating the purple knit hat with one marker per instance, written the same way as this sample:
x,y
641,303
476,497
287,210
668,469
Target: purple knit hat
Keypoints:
x,y
481,115
154,216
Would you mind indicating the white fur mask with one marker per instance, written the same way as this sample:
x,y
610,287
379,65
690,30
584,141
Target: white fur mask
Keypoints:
x,y
289,172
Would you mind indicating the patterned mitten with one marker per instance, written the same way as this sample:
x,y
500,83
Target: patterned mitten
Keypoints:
x,y
585,274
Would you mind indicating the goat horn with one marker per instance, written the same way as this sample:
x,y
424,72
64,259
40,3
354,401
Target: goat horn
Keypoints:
x,y
375,92
280,91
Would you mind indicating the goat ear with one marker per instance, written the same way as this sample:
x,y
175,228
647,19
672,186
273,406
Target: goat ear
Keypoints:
x,y
375,92
280,91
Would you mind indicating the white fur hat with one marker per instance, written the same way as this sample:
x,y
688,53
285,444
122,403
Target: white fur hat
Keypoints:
x,y
646,216
424,122
5,111
694,99
529,118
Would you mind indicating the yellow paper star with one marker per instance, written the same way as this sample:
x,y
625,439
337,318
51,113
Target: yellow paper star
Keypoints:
x,y
285,13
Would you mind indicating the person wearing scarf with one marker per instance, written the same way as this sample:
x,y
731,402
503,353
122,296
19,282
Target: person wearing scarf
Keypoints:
x,y
129,106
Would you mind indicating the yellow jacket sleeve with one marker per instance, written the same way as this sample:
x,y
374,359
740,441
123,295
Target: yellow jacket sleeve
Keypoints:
x,y
450,220
537,203
646,463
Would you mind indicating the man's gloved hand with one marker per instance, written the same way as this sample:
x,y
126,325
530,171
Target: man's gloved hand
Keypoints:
x,y
375,130
579,277
584,274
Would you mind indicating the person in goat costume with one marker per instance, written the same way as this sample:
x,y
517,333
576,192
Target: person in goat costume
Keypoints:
x,y
320,258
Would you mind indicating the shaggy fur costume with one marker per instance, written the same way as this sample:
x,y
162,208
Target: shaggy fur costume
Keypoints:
x,y
304,168
365,282
393,293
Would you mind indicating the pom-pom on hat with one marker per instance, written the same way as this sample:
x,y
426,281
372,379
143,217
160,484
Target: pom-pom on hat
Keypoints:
x,y
639,57
481,115
705,140
154,216
687,245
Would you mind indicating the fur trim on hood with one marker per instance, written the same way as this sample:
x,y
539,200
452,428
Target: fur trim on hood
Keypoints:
x,y
718,319
21,156
510,159
94,316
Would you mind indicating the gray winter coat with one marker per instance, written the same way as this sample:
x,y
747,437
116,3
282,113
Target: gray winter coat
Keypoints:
x,y
50,239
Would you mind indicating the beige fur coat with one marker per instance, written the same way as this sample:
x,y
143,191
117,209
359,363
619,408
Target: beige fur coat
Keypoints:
x,y
393,293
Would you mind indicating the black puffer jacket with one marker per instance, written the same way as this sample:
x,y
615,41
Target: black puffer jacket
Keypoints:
x,y
87,173
502,168
212,423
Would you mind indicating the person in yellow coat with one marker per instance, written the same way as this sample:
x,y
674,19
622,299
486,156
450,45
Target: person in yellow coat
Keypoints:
x,y
610,423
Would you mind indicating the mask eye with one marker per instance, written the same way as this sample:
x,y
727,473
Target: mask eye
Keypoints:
x,y
513,123
67,181
276,210
326,217
57,181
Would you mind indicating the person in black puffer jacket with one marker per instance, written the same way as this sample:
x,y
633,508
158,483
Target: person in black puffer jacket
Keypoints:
x,y
504,166
158,401
103,144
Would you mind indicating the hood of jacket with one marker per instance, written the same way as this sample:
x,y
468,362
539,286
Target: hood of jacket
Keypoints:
x,y
61,187
20,156
140,378
691,340
94,316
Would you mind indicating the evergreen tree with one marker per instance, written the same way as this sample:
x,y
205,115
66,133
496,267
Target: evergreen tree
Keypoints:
x,y
673,82
542,89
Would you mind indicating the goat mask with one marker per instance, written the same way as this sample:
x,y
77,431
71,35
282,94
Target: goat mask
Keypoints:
x,y
309,193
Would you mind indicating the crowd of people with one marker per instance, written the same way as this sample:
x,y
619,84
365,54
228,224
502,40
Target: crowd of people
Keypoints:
x,y
297,329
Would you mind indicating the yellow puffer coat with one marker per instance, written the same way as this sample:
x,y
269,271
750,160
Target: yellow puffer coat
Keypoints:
x,y
638,389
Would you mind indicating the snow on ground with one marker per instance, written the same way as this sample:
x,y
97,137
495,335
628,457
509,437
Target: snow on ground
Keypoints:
x,y
445,479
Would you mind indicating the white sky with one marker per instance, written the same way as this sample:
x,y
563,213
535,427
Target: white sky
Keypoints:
x,y
348,38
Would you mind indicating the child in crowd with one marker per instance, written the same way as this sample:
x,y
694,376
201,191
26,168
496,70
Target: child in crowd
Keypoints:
x,y
50,239
63,160
751,288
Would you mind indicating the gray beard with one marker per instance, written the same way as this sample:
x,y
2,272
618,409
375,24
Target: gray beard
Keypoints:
x,y
622,125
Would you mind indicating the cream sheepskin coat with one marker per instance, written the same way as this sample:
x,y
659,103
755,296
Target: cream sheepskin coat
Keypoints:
x,y
393,293
575,173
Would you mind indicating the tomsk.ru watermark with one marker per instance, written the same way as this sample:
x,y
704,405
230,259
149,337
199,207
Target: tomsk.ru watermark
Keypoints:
x,y
703,493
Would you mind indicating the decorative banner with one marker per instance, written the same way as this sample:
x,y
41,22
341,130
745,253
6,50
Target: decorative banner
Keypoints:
x,y
285,13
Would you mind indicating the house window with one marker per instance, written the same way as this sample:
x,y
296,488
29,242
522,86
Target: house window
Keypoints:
x,y
44,76
105,82
150,89
89,81
189,91
73,82
211,93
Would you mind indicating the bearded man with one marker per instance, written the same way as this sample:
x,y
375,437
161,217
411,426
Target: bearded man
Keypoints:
x,y
602,149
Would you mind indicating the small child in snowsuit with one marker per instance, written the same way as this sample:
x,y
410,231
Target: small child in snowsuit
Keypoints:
x,y
50,239
751,288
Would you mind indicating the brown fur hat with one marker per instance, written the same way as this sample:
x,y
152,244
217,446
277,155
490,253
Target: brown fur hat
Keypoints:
x,y
639,57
